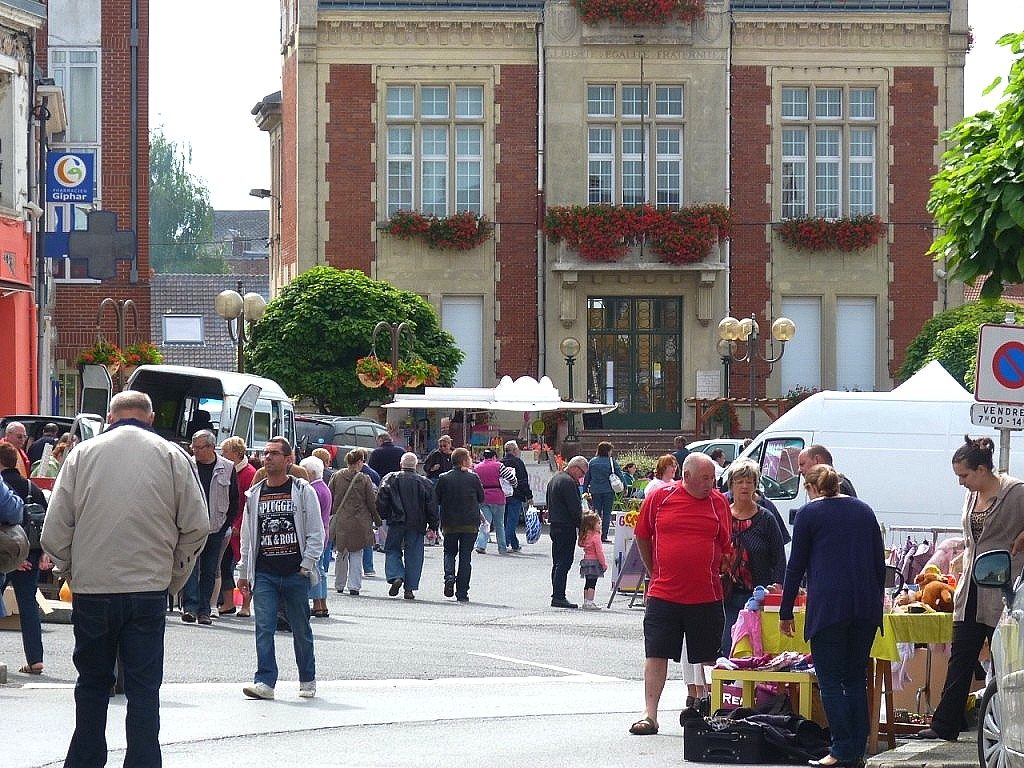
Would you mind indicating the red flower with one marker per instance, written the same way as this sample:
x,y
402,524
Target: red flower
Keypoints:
x,y
640,11
459,232
817,234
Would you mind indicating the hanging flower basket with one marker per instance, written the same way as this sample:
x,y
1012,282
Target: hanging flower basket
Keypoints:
x,y
373,372
815,234
142,353
640,11
101,353
725,416
416,372
461,231
607,232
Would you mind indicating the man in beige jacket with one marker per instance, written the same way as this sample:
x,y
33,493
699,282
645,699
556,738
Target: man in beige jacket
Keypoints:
x,y
125,523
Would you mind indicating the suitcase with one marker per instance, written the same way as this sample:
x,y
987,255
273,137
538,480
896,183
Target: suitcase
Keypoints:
x,y
730,742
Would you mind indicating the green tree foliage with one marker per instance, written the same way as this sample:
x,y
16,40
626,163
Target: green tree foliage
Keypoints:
x,y
951,337
322,322
180,215
977,197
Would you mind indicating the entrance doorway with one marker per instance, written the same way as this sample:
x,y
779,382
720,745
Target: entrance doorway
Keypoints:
x,y
634,359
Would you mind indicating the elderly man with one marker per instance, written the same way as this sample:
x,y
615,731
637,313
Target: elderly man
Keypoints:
x,y
49,437
220,486
282,539
565,513
125,523
819,454
683,536
406,502
16,434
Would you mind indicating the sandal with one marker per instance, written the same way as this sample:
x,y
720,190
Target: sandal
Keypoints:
x,y
644,727
242,614
321,613
32,669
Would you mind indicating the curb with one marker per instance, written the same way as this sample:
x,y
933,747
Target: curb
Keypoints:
x,y
930,754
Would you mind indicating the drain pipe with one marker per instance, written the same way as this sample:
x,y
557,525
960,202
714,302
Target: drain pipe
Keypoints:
x,y
728,166
541,242
133,121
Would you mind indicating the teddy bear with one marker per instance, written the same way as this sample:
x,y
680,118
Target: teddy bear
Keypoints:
x,y
933,591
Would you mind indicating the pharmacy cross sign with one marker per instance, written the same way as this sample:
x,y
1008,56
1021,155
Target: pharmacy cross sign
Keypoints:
x,y
102,244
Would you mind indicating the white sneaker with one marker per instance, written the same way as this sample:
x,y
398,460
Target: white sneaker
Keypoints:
x,y
307,690
591,606
259,691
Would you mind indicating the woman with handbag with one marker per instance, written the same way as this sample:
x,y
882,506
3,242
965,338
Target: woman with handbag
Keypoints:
x,y
602,488
353,515
25,579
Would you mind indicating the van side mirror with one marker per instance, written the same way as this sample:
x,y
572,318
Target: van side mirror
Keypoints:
x,y
992,569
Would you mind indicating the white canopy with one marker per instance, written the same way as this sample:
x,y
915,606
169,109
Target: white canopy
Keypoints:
x,y
523,394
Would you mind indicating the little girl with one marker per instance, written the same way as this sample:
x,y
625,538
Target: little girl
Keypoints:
x,y
593,565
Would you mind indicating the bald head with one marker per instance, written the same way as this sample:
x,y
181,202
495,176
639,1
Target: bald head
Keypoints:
x,y
698,475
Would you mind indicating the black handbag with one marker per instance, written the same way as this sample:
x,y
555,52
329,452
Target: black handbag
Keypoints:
x,y
33,517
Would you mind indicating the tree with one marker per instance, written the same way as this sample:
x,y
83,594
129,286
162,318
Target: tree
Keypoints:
x,y
180,215
951,337
322,322
977,197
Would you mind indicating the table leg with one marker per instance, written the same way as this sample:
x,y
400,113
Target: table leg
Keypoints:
x,y
806,698
874,704
716,693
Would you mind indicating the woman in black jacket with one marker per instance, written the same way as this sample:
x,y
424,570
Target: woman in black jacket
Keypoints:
x,y
25,579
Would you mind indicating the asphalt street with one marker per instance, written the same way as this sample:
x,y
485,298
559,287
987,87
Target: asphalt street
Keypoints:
x,y
504,679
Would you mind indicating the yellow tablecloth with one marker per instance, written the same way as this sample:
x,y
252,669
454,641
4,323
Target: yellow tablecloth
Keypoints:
x,y
896,628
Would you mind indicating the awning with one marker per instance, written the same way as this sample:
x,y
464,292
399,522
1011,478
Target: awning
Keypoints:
x,y
522,395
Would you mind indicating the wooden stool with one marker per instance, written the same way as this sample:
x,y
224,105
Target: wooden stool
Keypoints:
x,y
749,677
880,684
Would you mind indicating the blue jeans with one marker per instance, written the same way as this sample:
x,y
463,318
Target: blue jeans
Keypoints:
x,y
196,594
25,584
459,545
513,510
602,504
841,654
368,559
269,592
403,556
318,591
106,625
495,515
563,550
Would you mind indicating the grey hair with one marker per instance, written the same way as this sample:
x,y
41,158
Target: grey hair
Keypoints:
x,y
131,400
314,466
207,436
511,445
745,468
13,426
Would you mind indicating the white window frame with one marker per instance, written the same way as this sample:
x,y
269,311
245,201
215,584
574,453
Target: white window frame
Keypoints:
x,y
196,321
612,115
466,108
62,73
820,110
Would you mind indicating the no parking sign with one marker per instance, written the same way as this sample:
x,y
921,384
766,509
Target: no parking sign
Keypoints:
x,y
999,376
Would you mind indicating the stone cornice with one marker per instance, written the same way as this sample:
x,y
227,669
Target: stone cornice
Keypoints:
x,y
429,31
13,45
781,31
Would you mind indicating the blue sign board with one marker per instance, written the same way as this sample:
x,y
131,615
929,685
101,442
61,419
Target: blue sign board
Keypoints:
x,y
55,245
69,177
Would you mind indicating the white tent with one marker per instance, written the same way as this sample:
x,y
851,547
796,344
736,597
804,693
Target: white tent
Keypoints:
x,y
523,394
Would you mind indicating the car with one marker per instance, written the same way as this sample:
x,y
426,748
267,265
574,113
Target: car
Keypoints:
x,y
1001,715
339,434
730,446
83,426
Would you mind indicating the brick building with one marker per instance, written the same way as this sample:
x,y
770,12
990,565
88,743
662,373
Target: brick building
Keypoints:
x,y
97,52
777,108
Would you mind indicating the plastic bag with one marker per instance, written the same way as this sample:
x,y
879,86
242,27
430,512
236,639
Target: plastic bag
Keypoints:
x,y
616,483
532,525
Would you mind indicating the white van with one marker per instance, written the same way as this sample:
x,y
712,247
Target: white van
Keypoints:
x,y
186,399
895,447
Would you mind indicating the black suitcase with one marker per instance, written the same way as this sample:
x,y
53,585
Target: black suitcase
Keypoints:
x,y
731,742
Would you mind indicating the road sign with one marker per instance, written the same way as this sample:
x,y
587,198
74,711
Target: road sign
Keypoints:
x,y
999,375
997,415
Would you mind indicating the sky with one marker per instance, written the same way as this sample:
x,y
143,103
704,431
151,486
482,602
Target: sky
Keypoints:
x,y
212,61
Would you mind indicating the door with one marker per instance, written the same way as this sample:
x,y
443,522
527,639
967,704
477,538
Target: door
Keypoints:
x,y
244,411
96,389
634,359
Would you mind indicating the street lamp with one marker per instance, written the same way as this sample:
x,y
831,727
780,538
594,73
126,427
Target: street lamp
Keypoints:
x,y
570,347
731,331
243,311
395,331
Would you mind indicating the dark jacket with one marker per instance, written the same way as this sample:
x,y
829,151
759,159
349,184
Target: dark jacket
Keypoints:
x,y
459,493
387,458
522,490
563,499
407,498
765,550
437,463
27,491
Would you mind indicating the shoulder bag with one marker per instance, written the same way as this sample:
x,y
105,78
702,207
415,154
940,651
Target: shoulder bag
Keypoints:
x,y
34,515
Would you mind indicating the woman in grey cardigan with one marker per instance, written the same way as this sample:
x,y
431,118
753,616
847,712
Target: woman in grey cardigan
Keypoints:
x,y
353,515
993,518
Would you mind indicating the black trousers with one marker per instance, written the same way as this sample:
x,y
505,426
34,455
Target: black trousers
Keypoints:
x,y
563,549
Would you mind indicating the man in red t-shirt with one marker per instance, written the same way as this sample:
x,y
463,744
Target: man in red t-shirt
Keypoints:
x,y
683,537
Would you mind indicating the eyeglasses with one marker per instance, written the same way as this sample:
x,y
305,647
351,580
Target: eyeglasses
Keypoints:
x,y
273,453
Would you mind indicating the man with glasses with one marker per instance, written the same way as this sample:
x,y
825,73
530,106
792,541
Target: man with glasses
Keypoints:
x,y
220,485
16,434
282,538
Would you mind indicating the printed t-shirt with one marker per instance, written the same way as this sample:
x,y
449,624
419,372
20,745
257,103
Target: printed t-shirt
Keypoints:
x,y
688,538
279,551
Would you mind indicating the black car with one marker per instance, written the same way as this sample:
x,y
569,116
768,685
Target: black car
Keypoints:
x,y
339,434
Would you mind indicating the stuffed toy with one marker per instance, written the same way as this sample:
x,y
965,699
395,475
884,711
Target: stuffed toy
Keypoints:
x,y
933,591
756,599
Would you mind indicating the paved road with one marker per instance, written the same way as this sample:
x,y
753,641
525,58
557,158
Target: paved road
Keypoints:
x,y
503,680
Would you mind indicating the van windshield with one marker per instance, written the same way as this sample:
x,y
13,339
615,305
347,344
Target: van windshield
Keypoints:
x,y
780,474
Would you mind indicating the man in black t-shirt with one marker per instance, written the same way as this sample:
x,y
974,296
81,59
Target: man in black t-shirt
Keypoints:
x,y
282,537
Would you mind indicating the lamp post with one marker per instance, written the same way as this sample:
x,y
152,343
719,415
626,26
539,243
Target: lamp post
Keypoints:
x,y
731,330
395,331
725,350
570,347
242,311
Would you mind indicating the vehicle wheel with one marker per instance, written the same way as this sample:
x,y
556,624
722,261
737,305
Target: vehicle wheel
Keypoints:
x,y
991,752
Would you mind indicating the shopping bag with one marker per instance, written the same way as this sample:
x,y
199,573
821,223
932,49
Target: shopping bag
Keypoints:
x,y
532,525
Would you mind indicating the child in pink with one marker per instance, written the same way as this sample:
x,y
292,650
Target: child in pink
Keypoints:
x,y
593,565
